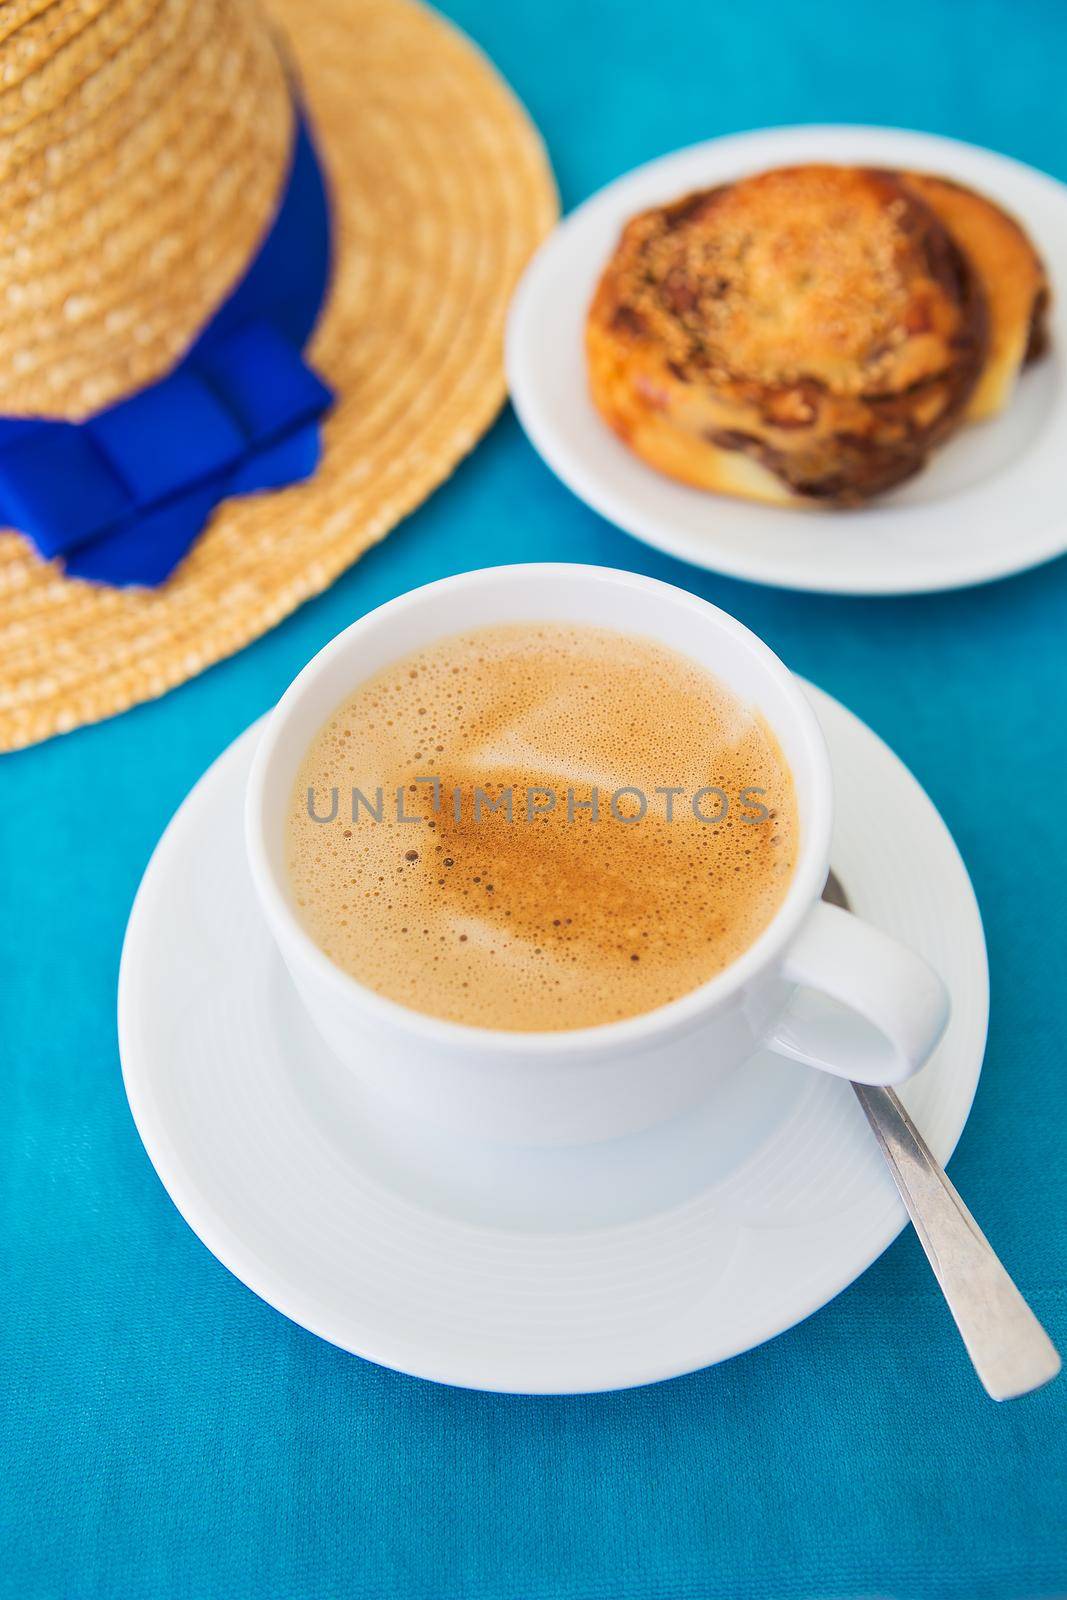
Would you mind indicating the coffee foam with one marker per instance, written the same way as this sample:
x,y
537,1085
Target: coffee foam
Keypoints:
x,y
556,922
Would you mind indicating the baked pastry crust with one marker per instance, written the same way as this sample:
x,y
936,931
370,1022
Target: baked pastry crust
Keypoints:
x,y
805,335
1013,280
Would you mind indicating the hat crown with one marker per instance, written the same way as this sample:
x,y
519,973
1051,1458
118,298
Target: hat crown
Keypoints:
x,y
143,148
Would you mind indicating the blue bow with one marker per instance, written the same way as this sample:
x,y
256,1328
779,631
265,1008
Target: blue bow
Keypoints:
x,y
122,496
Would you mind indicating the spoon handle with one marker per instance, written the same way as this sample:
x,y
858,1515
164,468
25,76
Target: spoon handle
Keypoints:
x,y
1011,1351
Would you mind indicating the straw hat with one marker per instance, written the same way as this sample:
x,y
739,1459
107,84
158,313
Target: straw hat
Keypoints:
x,y
143,148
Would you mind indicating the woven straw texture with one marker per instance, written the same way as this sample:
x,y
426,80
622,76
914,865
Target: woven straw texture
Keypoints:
x,y
143,145
440,191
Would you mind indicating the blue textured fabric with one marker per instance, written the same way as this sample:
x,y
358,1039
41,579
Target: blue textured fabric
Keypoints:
x,y
166,1436
122,496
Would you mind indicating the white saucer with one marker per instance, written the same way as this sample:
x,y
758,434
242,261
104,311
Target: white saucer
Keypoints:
x,y
500,1268
989,503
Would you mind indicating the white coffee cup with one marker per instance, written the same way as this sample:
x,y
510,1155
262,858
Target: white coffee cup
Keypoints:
x,y
597,1083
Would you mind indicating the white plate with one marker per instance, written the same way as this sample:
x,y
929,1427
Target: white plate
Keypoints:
x,y
500,1268
991,502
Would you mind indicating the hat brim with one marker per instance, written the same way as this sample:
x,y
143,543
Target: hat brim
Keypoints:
x,y
440,190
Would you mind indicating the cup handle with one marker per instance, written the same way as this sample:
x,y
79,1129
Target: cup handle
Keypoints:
x,y
879,980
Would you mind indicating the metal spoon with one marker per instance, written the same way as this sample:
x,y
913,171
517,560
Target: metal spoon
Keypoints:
x,y
1011,1351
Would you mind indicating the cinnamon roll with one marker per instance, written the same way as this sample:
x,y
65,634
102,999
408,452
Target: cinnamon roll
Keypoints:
x,y
810,334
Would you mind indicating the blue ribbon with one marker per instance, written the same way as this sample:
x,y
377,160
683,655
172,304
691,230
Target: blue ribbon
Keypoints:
x,y
122,496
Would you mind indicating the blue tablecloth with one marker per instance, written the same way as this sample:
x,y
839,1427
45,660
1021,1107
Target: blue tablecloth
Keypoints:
x,y
166,1434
